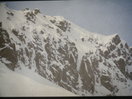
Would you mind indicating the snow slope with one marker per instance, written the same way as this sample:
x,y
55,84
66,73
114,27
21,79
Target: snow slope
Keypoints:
x,y
15,84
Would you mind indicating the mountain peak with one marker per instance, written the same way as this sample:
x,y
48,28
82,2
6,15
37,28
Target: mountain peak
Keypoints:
x,y
116,39
64,53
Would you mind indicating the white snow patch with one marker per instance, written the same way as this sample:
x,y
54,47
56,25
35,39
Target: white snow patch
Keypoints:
x,y
15,84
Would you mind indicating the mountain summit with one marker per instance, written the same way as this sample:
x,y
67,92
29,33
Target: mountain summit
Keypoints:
x,y
82,62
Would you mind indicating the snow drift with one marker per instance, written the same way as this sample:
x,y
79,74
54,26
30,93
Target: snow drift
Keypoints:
x,y
14,84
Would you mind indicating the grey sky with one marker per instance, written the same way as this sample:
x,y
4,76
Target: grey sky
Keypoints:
x,y
101,16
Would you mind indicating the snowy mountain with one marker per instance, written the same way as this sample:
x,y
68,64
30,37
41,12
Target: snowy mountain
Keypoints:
x,y
82,62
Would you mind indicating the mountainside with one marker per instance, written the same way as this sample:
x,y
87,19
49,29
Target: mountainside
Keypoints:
x,y
14,84
82,62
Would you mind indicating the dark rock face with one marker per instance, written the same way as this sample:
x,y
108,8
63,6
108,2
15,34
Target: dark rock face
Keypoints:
x,y
111,47
106,82
8,52
63,25
31,16
87,76
10,13
131,51
36,11
60,75
20,36
0,24
121,64
116,39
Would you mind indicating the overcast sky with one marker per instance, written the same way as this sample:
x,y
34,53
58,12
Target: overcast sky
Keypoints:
x,y
101,16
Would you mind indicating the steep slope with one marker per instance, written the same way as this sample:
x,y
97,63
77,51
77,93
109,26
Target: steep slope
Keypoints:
x,y
15,84
82,62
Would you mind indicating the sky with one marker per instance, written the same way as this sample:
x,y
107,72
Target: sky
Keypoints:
x,y
100,16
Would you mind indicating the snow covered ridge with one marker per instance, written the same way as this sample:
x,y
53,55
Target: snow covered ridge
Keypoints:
x,y
82,62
